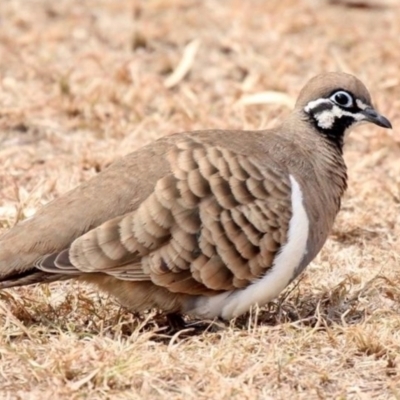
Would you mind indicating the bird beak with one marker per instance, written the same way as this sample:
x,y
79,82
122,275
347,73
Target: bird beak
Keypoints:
x,y
372,116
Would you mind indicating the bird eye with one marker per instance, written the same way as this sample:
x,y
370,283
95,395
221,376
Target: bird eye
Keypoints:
x,y
342,99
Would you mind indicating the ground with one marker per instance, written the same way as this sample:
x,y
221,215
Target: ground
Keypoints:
x,y
84,82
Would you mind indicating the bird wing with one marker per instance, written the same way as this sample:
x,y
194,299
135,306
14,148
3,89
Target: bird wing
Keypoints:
x,y
214,222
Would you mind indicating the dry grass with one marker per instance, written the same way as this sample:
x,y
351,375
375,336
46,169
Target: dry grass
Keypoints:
x,y
83,82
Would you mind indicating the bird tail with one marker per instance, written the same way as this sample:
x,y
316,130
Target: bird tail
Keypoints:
x,y
18,268
30,277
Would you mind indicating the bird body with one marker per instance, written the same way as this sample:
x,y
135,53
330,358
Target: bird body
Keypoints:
x,y
207,223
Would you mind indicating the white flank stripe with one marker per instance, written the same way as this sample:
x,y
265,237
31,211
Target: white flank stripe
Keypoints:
x,y
235,303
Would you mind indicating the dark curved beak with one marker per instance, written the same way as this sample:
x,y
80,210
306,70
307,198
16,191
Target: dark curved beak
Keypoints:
x,y
372,116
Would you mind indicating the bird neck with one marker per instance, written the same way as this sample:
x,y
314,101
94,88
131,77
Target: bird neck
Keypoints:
x,y
336,133
324,150
332,169
305,124
334,140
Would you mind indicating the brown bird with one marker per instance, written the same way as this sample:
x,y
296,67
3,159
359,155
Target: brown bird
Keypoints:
x,y
206,223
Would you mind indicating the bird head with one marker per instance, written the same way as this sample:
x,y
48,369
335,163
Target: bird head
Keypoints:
x,y
335,102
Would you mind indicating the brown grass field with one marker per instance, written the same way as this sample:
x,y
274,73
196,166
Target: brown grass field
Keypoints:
x,y
84,82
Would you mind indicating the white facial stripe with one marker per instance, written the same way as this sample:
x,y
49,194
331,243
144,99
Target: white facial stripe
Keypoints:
x,y
326,119
361,105
234,303
315,103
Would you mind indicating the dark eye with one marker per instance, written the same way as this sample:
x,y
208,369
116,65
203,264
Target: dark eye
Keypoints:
x,y
342,99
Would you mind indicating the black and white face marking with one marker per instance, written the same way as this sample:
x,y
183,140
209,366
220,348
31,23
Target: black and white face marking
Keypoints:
x,y
337,112
334,115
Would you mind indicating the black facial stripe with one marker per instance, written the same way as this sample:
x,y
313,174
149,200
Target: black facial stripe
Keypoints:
x,y
354,109
339,126
329,106
321,107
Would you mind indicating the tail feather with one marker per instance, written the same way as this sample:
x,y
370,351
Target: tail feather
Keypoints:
x,y
30,277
